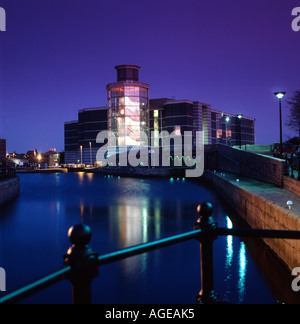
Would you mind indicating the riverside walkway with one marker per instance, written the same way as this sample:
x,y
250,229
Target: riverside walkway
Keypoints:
x,y
276,195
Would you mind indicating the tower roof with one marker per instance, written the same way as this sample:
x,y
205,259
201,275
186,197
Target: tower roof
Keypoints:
x,y
128,72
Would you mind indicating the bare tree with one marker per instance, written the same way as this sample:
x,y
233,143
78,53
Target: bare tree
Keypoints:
x,y
294,109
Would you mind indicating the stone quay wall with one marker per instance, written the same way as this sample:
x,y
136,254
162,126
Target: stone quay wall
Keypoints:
x,y
9,190
261,213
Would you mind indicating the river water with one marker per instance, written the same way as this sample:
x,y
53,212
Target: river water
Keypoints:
x,y
123,212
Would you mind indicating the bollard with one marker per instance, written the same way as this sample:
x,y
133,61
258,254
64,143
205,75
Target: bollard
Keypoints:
x,y
83,262
207,294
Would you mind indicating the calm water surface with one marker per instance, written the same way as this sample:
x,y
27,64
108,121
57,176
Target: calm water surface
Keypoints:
x,y
124,212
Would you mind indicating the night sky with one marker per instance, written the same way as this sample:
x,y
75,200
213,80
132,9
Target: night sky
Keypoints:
x,y
57,57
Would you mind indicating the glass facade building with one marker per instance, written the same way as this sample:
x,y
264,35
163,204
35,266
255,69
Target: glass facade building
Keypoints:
x,y
128,107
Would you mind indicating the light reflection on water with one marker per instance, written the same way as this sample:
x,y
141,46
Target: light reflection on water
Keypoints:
x,y
242,272
228,262
122,212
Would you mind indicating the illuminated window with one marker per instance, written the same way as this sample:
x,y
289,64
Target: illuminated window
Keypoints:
x,y
155,113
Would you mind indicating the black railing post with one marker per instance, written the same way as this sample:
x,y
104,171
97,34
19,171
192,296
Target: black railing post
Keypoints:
x,y
84,263
207,225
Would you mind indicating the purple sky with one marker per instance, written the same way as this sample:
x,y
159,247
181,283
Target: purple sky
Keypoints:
x,y
57,56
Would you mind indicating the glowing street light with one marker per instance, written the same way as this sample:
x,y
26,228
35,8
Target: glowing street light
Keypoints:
x,y
91,153
81,154
280,95
227,119
240,116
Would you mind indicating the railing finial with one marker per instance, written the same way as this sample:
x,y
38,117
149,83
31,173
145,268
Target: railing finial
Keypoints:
x,y
205,210
80,235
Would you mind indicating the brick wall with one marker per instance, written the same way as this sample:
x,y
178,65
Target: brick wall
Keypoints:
x,y
291,185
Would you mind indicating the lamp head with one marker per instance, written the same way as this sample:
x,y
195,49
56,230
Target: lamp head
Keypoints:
x,y
280,94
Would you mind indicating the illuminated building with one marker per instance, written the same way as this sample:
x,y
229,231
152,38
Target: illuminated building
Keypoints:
x,y
128,106
130,112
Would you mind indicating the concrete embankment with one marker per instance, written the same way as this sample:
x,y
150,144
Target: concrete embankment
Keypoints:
x,y
263,206
9,190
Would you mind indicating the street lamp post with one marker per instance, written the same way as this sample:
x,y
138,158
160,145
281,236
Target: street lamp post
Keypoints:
x,y
227,120
280,95
80,154
91,153
240,116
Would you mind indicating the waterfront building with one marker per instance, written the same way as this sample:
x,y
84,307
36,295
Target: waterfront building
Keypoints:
x,y
130,111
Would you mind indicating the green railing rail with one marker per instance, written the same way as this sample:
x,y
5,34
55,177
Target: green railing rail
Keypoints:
x,y
82,263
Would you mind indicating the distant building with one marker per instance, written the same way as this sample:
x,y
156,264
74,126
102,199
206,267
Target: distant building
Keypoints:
x,y
2,150
130,110
50,159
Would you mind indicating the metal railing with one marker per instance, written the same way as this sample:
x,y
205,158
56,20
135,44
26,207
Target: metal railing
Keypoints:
x,y
292,166
7,172
82,263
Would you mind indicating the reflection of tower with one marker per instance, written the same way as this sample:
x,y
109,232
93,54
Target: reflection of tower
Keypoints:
x,y
128,103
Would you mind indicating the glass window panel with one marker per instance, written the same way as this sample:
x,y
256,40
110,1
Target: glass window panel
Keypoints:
x,y
132,91
117,92
133,135
132,111
128,91
144,92
132,101
144,102
132,121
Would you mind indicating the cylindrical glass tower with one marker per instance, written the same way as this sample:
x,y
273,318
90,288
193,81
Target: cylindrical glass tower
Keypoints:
x,y
128,107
